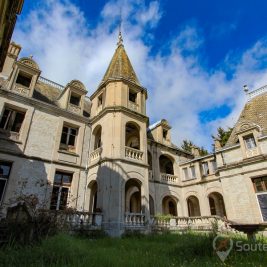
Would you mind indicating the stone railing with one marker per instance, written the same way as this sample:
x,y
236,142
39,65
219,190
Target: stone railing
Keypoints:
x,y
75,220
256,92
199,223
168,178
133,106
133,153
49,82
134,219
74,108
150,175
96,154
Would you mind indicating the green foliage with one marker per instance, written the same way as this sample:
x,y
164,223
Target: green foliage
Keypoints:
x,y
189,249
223,135
163,217
188,144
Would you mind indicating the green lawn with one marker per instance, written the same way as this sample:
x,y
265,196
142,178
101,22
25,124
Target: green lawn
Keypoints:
x,y
154,250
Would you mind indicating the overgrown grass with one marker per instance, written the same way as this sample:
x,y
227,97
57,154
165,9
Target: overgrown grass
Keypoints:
x,y
154,250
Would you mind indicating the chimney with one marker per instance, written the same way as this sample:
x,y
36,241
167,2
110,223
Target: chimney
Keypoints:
x,y
217,144
195,151
12,56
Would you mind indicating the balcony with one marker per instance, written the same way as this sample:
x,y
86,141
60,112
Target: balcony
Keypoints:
x,y
96,154
133,106
168,178
132,153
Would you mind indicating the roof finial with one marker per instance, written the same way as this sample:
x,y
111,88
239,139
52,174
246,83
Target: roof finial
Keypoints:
x,y
120,40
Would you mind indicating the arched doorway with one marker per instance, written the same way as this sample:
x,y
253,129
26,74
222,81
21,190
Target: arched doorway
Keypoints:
x,y
93,196
193,206
133,196
217,206
169,206
166,165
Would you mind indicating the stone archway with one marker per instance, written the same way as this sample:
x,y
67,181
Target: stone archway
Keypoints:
x,y
133,196
193,206
216,203
93,196
169,205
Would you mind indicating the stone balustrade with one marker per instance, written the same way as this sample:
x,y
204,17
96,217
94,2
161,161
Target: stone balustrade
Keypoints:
x,y
96,154
133,106
134,219
75,220
168,178
200,223
133,153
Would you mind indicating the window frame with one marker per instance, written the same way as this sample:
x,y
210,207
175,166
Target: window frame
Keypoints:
x,y
132,93
5,179
67,146
61,186
73,95
250,140
205,172
11,119
24,75
263,185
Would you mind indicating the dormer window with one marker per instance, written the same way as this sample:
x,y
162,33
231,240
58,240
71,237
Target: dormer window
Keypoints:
x,y
132,96
164,133
24,79
75,99
250,142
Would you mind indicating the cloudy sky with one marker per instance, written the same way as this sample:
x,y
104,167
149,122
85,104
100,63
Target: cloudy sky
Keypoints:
x,y
193,57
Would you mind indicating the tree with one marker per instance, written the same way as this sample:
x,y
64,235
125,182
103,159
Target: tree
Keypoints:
x,y
223,135
187,146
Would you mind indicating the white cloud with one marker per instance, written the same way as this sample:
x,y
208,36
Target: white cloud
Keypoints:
x,y
67,48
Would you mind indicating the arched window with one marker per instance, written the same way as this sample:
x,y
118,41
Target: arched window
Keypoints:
x,y
216,204
166,165
97,137
132,135
151,205
93,196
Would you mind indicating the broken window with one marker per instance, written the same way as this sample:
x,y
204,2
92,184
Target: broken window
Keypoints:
x,y
100,100
250,142
68,138
60,192
75,100
24,79
164,133
5,168
12,120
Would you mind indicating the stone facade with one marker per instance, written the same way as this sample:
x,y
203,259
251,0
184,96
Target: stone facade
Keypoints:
x,y
100,155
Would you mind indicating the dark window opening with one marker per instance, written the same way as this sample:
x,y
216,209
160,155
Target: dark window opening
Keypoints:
x,y
5,168
12,120
100,100
24,80
75,100
165,132
132,96
250,142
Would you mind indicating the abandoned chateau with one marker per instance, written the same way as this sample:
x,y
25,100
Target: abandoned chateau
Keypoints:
x,y
99,155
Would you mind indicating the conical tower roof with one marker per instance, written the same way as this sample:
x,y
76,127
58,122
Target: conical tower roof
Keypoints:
x,y
120,66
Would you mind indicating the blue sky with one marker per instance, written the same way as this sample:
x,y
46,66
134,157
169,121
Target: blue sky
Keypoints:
x,y
192,56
